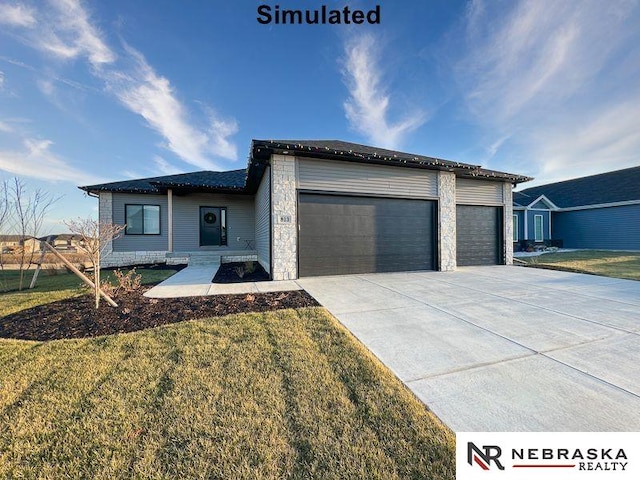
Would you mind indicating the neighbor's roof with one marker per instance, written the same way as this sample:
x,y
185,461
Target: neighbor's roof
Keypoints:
x,y
206,181
611,187
355,152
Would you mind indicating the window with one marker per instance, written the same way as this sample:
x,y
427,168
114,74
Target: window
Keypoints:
x,y
539,233
515,228
142,219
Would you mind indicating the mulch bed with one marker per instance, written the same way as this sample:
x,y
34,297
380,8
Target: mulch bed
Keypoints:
x,y
227,273
77,317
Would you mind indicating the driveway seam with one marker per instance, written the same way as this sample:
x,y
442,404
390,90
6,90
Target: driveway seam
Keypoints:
x,y
534,352
565,289
544,308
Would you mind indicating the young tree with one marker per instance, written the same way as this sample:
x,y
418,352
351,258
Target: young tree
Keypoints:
x,y
27,212
94,238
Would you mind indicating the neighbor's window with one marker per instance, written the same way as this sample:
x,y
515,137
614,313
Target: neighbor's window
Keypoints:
x,y
537,221
515,228
142,219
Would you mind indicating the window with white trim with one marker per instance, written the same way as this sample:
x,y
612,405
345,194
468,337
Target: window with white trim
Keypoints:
x,y
142,219
515,228
538,225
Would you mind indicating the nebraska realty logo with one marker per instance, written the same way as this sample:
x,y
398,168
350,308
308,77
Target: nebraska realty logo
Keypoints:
x,y
568,455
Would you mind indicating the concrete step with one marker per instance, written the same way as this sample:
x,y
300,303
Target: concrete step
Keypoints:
x,y
204,259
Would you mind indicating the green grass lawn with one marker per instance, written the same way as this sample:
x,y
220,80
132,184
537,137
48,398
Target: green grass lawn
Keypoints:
x,y
50,288
284,394
599,262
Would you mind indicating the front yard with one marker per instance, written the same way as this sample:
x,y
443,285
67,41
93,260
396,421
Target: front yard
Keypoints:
x,y
597,262
280,394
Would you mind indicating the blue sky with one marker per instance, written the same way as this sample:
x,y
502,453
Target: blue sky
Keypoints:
x,y
94,91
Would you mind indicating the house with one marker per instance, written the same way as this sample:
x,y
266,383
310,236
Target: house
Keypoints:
x,y
317,207
64,242
595,212
15,243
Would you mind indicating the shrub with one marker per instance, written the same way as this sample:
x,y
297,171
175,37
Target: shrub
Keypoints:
x,y
250,267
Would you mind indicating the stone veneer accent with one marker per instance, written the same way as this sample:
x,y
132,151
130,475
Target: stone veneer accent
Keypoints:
x,y
507,197
105,215
284,235
447,220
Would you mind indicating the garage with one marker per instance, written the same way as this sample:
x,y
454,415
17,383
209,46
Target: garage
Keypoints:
x,y
340,234
479,235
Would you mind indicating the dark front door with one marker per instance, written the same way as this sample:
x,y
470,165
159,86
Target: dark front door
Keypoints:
x,y
210,226
340,234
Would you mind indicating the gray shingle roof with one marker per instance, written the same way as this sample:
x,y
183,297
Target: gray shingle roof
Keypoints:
x,y
611,187
203,181
246,180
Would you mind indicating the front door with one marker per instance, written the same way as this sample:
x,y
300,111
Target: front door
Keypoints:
x,y
211,226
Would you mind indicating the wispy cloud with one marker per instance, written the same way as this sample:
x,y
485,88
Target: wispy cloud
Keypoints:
x,y
367,107
542,76
66,31
165,167
16,14
150,95
36,160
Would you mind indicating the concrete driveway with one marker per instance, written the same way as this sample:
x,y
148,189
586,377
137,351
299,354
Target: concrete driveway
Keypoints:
x,y
502,348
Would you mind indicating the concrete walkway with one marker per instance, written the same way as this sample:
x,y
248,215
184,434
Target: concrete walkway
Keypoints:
x,y
195,281
502,348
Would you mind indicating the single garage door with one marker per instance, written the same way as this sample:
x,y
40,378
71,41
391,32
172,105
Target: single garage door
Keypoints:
x,y
479,235
344,234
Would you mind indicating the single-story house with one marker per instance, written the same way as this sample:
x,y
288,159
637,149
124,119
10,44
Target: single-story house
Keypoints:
x,y
317,207
595,212
14,243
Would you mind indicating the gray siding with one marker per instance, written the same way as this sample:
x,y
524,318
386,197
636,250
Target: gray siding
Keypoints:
x,y
348,177
263,225
478,192
186,220
137,243
615,228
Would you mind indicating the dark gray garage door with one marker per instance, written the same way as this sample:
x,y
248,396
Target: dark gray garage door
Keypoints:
x,y
340,235
479,235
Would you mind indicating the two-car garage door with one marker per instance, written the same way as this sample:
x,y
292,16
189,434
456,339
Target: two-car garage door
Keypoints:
x,y
352,234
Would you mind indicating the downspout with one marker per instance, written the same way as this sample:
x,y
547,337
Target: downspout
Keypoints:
x,y
170,220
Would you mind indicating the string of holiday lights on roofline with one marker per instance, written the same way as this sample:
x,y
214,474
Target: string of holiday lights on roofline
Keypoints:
x,y
475,170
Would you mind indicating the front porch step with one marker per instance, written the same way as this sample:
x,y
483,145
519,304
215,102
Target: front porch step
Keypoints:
x,y
204,258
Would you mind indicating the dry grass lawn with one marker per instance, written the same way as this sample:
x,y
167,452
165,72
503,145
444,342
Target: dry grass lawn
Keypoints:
x,y
598,262
285,394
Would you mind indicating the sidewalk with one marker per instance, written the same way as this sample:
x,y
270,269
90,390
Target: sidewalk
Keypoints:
x,y
195,281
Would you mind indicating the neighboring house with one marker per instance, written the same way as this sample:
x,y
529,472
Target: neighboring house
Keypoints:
x,y
64,242
13,243
531,220
317,207
596,212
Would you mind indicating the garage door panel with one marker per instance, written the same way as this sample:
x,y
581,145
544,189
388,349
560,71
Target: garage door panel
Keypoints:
x,y
478,237
340,234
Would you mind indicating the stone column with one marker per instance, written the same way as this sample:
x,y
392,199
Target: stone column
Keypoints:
x,y
105,215
447,220
507,197
284,237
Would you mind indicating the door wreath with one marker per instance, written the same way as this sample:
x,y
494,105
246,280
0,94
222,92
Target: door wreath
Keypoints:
x,y
209,217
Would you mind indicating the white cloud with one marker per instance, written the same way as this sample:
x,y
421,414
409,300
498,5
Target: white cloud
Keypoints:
x,y
367,107
71,34
150,95
557,80
16,15
164,167
36,160
67,32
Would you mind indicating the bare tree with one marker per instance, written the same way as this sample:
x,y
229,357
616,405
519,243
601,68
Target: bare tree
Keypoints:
x,y
27,211
95,236
4,215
